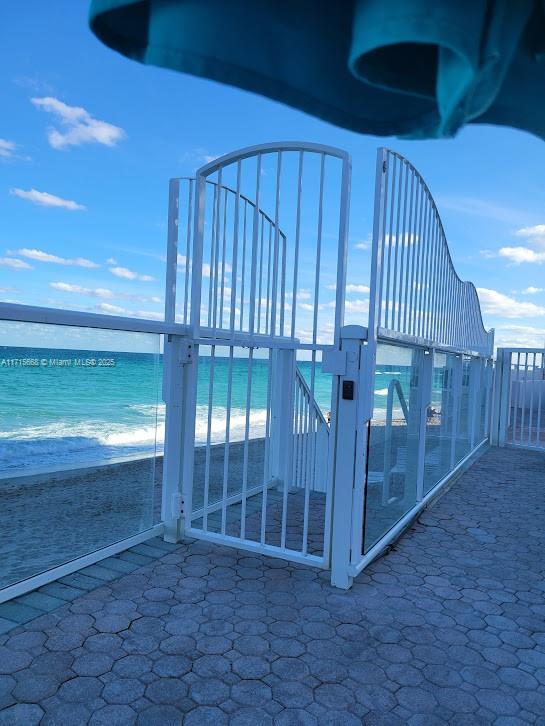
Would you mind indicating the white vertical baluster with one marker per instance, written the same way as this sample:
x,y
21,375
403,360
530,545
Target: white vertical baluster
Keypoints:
x,y
275,270
246,445
227,441
255,237
297,242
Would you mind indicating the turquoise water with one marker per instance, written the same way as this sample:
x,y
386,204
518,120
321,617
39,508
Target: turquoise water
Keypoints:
x,y
70,407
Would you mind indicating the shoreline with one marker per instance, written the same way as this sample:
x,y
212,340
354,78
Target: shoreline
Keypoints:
x,y
67,470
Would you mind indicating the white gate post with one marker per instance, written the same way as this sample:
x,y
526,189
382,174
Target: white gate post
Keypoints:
x,y
476,381
282,414
501,398
177,354
347,449
456,371
424,401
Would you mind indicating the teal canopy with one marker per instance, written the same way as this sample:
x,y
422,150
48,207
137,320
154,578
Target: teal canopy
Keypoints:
x,y
411,68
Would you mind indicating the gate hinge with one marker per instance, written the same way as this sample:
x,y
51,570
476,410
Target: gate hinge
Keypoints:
x,y
178,505
185,355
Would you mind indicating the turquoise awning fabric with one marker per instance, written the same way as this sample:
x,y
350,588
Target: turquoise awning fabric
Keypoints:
x,y
409,68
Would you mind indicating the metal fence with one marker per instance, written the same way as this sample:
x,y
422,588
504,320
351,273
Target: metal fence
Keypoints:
x,y
519,405
416,384
285,432
265,301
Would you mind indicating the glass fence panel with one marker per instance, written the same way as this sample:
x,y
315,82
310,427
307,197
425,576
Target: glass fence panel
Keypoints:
x,y
438,439
81,433
466,403
393,442
483,401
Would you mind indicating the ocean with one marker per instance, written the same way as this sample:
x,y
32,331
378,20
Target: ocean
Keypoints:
x,y
70,408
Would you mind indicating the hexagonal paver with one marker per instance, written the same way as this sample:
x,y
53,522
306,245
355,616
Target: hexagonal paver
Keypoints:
x,y
293,694
172,665
251,693
13,660
123,690
92,664
32,687
166,690
113,716
209,691
161,716
447,627
21,714
132,666
65,713
206,716
81,689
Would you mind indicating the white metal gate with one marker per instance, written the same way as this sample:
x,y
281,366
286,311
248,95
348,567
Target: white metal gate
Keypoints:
x,y
519,411
262,287
426,355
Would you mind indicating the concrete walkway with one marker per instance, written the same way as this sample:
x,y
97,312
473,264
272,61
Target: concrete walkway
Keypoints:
x,y
448,628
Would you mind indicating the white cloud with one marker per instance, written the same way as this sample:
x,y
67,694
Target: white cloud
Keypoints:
x,y
14,263
8,150
406,238
356,306
532,252
519,336
45,199
41,256
531,290
363,245
181,263
535,235
117,310
111,261
496,303
127,274
78,126
103,293
518,255
198,156
351,288
357,288
67,287
111,309
488,254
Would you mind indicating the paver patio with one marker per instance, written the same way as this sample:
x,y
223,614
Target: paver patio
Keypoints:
x,y
448,627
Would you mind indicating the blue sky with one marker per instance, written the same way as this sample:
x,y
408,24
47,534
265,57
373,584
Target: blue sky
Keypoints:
x,y
88,141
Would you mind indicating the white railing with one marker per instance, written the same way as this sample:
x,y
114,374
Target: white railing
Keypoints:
x,y
261,294
424,319
51,329
232,213
260,300
311,440
416,293
519,406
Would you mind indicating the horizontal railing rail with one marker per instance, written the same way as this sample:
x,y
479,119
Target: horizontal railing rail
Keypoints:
x,y
59,316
